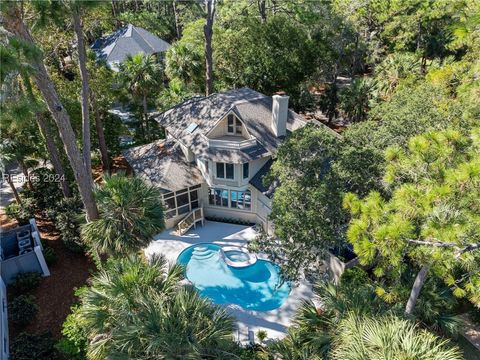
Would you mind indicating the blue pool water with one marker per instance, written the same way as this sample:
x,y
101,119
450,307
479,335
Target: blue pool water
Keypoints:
x,y
254,287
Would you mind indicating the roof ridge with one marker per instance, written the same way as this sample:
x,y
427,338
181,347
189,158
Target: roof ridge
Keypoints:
x,y
140,35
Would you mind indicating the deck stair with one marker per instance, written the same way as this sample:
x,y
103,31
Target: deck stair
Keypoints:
x,y
191,219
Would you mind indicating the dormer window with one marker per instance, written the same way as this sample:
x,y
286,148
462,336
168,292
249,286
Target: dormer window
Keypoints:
x,y
234,125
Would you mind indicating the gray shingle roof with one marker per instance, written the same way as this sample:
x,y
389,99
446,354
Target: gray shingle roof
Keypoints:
x,y
252,107
257,180
129,40
162,164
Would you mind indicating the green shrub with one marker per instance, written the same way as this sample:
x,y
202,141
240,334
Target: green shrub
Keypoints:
x,y
355,277
67,215
24,282
22,310
22,213
33,346
45,189
49,254
74,342
475,315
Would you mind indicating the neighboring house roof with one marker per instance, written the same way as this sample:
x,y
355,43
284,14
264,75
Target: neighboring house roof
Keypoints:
x,y
129,40
252,107
162,164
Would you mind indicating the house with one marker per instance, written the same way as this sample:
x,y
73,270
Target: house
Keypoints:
x,y
216,152
129,40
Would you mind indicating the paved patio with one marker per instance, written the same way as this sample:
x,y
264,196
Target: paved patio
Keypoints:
x,y
274,322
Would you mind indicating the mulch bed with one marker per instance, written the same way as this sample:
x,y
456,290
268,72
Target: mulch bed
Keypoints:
x,y
55,295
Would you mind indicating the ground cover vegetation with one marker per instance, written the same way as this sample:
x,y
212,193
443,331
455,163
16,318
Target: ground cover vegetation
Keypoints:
x,y
399,185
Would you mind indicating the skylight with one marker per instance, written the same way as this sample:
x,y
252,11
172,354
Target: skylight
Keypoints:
x,y
191,128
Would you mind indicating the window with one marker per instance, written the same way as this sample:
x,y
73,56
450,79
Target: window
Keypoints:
x,y
234,125
230,120
245,170
225,171
238,126
221,170
229,171
238,199
180,202
241,200
218,197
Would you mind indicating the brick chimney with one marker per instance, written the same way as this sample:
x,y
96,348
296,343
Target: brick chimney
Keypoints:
x,y
279,114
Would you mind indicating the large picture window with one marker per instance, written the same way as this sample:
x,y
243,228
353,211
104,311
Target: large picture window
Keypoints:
x,y
218,197
241,200
225,171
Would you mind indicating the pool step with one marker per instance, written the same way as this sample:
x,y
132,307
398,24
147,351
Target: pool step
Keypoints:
x,y
203,253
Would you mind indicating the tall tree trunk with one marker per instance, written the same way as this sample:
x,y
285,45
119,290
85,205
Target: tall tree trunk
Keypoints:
x,y
262,10
82,61
26,174
14,189
49,139
208,31
417,287
54,155
177,22
102,144
145,116
13,22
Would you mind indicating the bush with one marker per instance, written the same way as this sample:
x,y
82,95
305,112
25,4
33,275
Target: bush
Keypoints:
x,y
74,342
355,277
49,254
475,315
67,215
45,189
22,213
26,281
33,346
22,310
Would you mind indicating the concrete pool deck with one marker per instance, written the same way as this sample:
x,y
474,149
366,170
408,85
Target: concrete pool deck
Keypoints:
x,y
274,322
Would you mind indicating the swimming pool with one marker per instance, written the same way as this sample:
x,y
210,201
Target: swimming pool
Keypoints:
x,y
254,287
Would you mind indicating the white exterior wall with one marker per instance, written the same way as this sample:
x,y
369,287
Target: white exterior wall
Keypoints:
x,y
221,129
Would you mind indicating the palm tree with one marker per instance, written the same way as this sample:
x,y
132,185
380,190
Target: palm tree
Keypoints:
x,y
354,99
131,214
392,70
184,63
314,327
389,337
137,310
141,76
